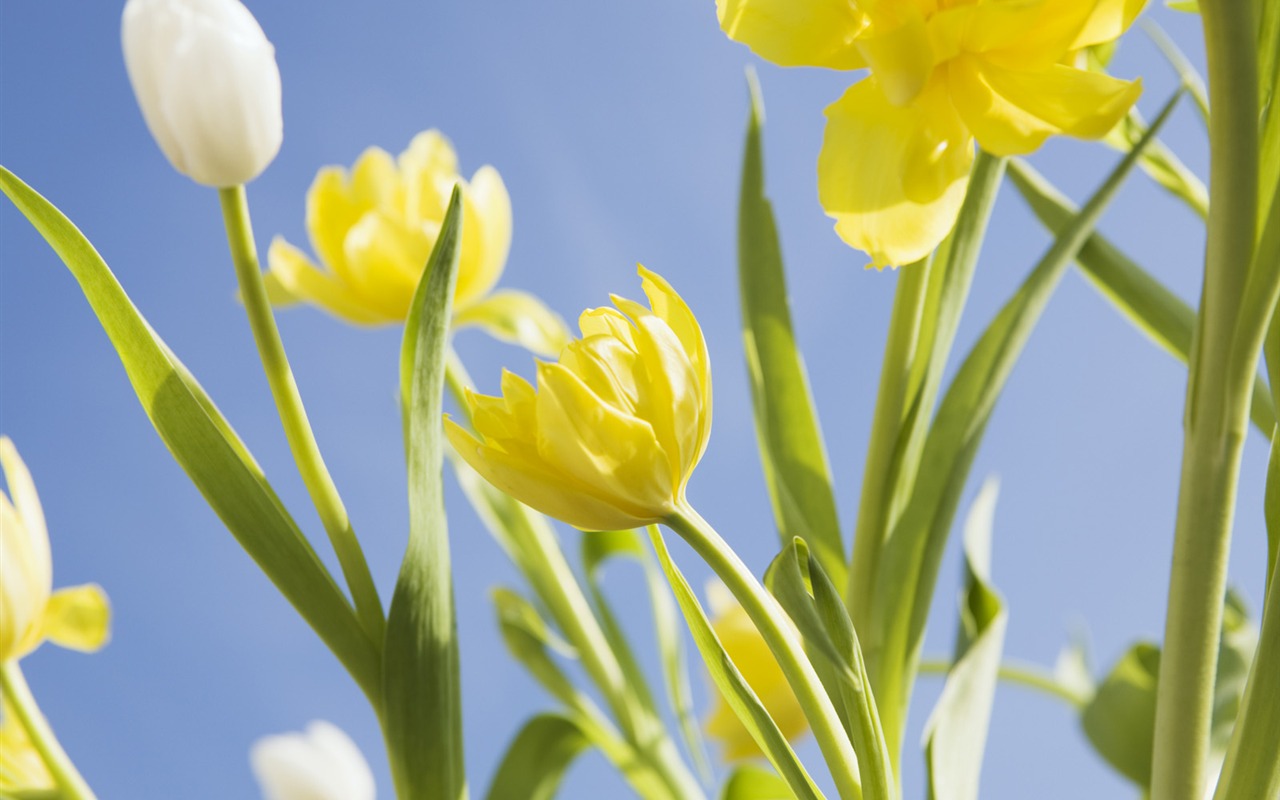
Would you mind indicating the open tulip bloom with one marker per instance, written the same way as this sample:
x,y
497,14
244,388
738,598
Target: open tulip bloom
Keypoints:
x,y
607,434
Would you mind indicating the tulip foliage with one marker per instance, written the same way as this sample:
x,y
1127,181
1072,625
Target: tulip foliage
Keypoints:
x,y
827,641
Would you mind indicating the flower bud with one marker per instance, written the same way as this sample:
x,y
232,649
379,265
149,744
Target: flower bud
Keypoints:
x,y
206,79
321,764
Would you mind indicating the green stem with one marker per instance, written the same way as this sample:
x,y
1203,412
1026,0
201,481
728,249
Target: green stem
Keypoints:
x,y
1217,411
22,704
892,400
782,639
293,416
551,577
1028,675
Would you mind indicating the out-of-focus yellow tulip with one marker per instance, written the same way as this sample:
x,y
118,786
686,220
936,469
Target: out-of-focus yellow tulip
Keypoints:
x,y
30,611
898,147
21,767
747,648
373,228
609,438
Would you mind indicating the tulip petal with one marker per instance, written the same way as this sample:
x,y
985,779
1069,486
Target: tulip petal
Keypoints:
x,y
519,318
609,367
792,33
1110,18
607,321
374,180
385,261
1025,35
671,399
1012,112
901,58
292,277
600,445
78,618
331,211
322,764
489,217
893,178
26,568
532,483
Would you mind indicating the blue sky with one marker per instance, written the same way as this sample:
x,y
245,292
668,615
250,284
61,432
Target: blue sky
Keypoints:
x,y
618,129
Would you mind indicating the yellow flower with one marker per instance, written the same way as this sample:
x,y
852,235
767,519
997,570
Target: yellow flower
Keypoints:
x,y
747,649
373,229
898,146
609,438
30,611
21,767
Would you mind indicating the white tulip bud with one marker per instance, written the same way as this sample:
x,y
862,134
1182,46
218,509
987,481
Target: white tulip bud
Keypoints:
x,y
206,79
321,764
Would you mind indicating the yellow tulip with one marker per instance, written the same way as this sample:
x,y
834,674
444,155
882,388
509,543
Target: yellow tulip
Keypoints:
x,y
21,767
610,436
373,228
898,147
748,651
30,611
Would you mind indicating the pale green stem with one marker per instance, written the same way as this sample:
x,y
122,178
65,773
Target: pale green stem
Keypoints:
x,y
886,426
558,588
1028,675
293,416
1218,395
22,704
783,641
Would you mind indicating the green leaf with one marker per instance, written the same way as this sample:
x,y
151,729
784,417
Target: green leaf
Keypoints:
x,y
206,447
749,782
814,604
1191,79
536,760
1161,163
597,549
790,440
956,733
1151,307
531,642
422,712
728,679
1120,719
909,569
518,318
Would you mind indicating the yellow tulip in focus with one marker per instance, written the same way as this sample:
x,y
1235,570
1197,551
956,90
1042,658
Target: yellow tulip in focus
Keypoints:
x,y
373,227
899,145
747,648
610,436
30,611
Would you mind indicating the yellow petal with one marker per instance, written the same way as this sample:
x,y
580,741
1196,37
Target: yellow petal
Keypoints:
x,y
1025,34
429,170
385,262
893,178
671,398
331,211
672,309
292,277
1109,19
26,570
375,183
519,318
609,367
1012,113
21,766
601,446
490,208
533,484
796,33
901,58
78,618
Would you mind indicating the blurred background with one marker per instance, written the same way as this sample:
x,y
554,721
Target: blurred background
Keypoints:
x,y
618,128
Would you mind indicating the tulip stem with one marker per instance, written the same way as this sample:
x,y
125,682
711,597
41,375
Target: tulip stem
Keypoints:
x,y
293,416
22,704
552,579
1028,675
1234,310
772,622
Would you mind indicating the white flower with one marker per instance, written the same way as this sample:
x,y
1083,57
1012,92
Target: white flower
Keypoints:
x,y
321,764
207,81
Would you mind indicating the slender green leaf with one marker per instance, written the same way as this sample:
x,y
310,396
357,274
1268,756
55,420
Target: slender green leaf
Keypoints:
x,y
1150,306
1187,73
749,782
1161,163
956,733
422,713
597,549
791,445
205,446
728,679
536,760
914,550
814,604
531,642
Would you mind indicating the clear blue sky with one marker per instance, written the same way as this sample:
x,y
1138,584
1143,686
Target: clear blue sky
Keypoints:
x,y
618,129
